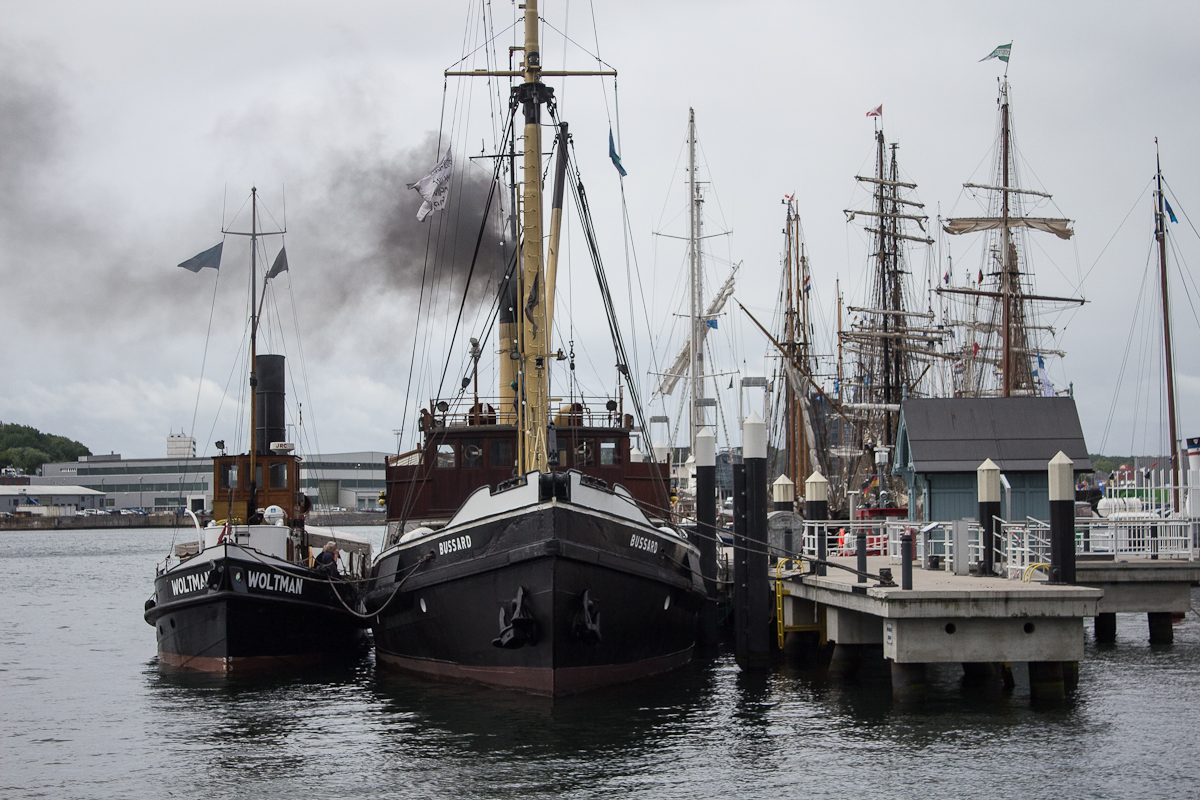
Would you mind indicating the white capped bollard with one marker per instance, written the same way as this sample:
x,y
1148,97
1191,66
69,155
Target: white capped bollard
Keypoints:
x,y
706,531
987,480
1062,518
816,508
783,494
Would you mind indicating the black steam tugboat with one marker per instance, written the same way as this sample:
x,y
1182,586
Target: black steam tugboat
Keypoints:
x,y
248,594
523,551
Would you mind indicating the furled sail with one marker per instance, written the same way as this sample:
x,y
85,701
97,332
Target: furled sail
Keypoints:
x,y
1059,227
679,368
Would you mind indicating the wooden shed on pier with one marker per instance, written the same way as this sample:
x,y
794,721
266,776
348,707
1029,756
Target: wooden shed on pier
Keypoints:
x,y
942,441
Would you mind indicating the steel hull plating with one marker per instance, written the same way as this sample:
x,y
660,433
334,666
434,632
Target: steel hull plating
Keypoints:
x,y
642,591
230,614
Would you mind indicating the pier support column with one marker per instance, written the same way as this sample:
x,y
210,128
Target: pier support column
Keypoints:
x,y
987,481
1106,628
706,533
1161,629
1062,519
1046,680
846,660
756,644
908,682
1070,675
978,673
1006,674
816,509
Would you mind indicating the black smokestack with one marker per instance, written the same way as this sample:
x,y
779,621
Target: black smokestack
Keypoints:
x,y
272,423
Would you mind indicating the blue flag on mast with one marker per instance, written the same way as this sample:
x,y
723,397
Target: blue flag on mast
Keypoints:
x,y
209,258
612,153
1170,213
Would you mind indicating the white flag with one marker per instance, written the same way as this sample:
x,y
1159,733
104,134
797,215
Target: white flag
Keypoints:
x,y
435,187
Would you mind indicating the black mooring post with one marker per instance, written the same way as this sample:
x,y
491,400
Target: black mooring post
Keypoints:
x,y
1062,519
706,528
816,509
758,587
906,559
860,550
740,596
987,478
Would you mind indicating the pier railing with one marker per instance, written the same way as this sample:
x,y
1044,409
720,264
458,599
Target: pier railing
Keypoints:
x,y
1021,545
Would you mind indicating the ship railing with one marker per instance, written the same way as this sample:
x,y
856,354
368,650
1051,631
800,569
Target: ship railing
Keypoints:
x,y
460,412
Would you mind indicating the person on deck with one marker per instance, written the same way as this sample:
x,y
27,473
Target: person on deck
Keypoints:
x,y
327,560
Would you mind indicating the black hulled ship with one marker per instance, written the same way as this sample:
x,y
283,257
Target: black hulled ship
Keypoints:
x,y
527,548
248,594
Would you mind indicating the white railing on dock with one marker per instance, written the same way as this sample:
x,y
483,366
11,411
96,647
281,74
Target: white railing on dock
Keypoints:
x,y
1020,545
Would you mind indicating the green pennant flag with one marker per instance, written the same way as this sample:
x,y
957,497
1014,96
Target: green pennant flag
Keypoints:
x,y
1002,52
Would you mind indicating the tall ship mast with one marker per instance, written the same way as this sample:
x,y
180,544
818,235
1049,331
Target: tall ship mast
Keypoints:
x,y
1002,351
552,569
891,341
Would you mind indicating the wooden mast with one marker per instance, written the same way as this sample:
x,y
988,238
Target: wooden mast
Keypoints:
x,y
1161,235
535,287
252,503
1005,255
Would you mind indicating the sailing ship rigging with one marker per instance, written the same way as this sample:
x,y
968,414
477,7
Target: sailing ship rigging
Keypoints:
x,y
893,342
1002,351
248,594
702,317
527,548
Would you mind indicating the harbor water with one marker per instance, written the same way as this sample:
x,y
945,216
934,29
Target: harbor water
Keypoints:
x,y
87,713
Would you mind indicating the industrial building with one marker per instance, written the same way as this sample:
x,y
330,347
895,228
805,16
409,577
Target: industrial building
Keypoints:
x,y
50,501
334,480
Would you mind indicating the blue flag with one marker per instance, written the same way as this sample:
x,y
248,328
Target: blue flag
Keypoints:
x,y
209,258
612,153
1170,213
712,323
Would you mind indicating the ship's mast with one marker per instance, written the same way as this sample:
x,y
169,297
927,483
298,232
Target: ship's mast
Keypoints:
x,y
535,288
251,506
1010,298
696,281
1006,265
1161,235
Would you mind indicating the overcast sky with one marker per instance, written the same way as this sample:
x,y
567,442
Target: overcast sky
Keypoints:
x,y
129,129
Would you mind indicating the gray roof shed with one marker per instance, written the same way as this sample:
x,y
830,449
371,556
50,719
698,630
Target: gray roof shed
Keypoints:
x,y
1020,434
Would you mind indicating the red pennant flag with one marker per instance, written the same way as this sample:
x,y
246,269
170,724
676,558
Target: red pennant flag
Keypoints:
x,y
876,112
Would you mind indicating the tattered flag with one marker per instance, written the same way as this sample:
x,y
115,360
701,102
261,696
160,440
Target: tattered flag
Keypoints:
x,y
612,153
876,112
435,187
209,258
280,264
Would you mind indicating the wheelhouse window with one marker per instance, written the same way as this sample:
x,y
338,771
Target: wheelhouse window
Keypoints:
x,y
502,453
229,476
472,453
445,456
584,454
278,474
610,454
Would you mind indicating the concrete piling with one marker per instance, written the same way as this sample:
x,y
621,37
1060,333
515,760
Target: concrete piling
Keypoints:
x,y
706,525
1062,519
756,644
906,559
987,479
1046,680
908,682
1106,628
1162,631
